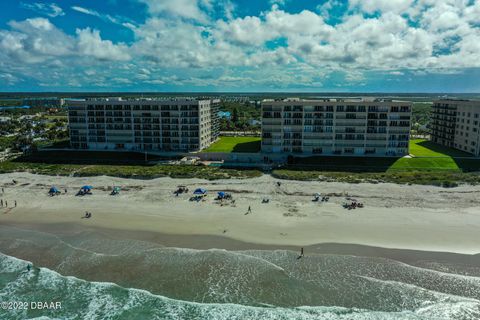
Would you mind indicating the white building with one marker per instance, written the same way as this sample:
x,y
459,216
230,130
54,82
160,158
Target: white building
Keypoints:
x,y
182,125
375,127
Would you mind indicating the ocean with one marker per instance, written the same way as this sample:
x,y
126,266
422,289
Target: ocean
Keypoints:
x,y
251,284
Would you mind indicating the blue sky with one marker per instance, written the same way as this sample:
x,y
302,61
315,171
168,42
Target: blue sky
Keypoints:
x,y
240,45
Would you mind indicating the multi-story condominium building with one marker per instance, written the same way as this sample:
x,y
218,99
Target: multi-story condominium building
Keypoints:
x,y
456,124
182,125
377,127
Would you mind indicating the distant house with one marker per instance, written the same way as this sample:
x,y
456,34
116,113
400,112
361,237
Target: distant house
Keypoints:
x,y
26,117
224,115
5,120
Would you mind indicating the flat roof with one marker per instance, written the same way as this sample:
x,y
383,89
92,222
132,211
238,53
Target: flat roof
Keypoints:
x,y
333,101
146,101
462,101
120,99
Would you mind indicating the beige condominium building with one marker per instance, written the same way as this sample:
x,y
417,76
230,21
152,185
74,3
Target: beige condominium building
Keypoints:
x,y
456,124
177,125
361,127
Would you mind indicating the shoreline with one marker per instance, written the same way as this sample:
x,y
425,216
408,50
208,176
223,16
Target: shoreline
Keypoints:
x,y
66,231
169,262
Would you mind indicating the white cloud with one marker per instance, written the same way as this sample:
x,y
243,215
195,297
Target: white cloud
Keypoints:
x,y
106,17
182,42
86,11
37,40
325,8
244,31
90,43
371,6
387,42
8,79
34,40
188,9
51,9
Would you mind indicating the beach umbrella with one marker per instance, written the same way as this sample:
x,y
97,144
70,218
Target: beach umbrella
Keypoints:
x,y
116,188
200,191
53,190
87,188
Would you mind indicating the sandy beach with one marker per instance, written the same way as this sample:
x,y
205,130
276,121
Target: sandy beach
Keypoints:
x,y
395,216
410,253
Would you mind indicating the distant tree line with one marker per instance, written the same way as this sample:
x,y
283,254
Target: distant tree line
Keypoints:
x,y
240,116
421,116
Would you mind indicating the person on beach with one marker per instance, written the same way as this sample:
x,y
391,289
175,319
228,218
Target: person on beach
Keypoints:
x,y
6,203
15,203
301,254
3,191
249,210
65,191
1,203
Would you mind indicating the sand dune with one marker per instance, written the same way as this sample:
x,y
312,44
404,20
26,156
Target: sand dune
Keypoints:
x,y
395,216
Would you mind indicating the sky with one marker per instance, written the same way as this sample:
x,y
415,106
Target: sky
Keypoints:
x,y
240,45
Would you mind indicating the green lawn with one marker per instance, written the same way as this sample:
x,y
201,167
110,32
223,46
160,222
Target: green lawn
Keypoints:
x,y
236,144
431,165
430,156
427,157
425,148
424,164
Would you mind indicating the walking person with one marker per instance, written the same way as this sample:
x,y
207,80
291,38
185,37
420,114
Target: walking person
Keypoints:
x,y
1,203
6,204
249,210
301,254
15,203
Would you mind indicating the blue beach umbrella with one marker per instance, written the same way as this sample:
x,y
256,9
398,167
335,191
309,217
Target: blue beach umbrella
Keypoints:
x,y
87,188
53,190
200,191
